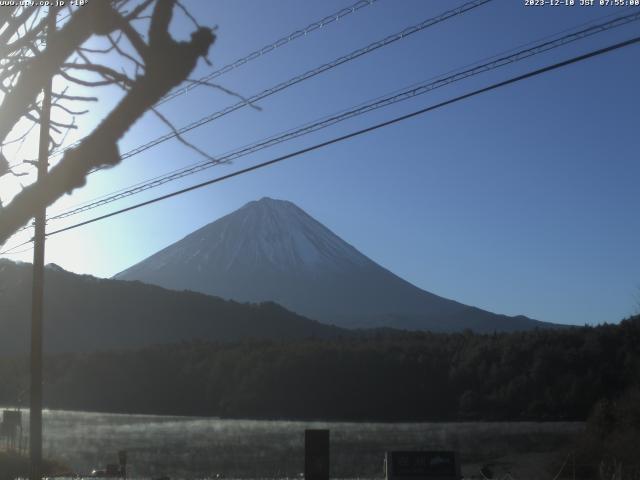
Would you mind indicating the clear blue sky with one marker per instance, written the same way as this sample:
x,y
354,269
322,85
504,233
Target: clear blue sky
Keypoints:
x,y
521,201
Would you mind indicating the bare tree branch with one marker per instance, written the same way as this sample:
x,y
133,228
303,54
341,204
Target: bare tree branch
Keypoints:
x,y
180,138
167,63
85,22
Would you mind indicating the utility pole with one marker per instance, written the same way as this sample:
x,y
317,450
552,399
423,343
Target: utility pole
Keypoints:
x,y
37,293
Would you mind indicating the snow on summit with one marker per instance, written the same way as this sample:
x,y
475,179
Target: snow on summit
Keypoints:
x,y
279,232
271,250
269,232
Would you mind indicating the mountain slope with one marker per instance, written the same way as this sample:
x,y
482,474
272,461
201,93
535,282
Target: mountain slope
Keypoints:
x,y
271,250
84,313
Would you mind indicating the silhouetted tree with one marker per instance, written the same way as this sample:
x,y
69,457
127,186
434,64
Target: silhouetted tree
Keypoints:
x,y
138,35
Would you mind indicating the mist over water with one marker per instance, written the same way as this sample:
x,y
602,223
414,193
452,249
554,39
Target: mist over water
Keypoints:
x,y
188,447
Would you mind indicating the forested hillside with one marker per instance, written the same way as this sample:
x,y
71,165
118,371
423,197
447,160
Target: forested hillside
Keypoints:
x,y
82,314
544,374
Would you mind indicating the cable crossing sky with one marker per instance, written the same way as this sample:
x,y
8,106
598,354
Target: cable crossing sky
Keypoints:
x,y
270,47
512,80
260,52
307,75
406,94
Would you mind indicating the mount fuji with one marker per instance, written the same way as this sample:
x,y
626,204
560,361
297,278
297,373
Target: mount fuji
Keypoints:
x,y
271,250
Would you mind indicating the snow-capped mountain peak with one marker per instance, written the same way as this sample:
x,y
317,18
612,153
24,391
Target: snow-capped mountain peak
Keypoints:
x,y
268,232
271,250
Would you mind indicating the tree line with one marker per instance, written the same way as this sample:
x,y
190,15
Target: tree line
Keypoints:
x,y
555,374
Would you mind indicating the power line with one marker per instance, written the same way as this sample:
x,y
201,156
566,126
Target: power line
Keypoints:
x,y
270,47
302,32
305,76
260,52
466,67
20,252
10,251
377,126
413,91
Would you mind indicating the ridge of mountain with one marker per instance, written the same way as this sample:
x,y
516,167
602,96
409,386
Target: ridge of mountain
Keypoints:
x,y
272,250
85,313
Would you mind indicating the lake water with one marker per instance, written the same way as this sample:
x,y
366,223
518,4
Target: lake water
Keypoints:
x,y
204,447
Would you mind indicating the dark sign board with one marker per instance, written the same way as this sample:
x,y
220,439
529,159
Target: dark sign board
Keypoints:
x,y
431,465
316,454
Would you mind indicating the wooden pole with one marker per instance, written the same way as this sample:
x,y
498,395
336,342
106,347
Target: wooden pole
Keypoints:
x,y
37,298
